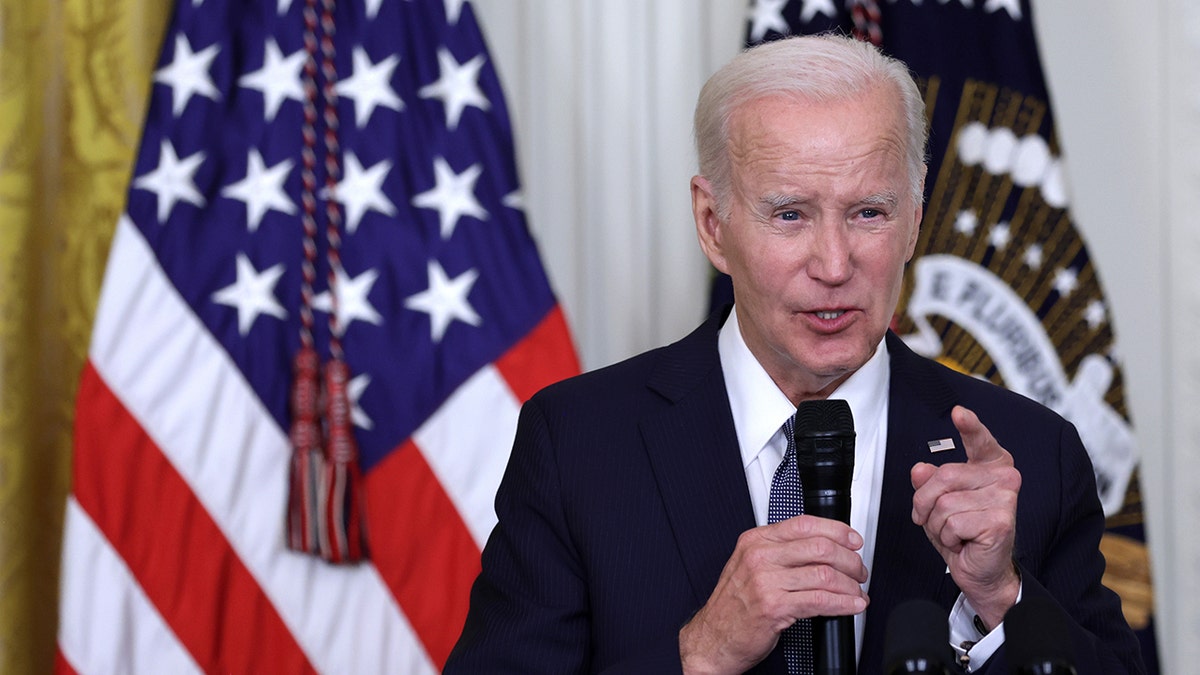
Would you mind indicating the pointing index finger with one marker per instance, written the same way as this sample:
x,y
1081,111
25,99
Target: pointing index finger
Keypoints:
x,y
979,443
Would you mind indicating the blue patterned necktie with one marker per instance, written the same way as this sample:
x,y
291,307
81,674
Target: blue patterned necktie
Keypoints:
x,y
787,500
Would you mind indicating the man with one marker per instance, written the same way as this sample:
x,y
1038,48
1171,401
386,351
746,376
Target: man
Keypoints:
x,y
634,533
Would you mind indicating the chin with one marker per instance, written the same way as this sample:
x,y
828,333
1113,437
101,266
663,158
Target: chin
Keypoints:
x,y
838,358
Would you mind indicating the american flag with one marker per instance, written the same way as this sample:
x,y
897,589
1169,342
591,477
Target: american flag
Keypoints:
x,y
1002,285
175,557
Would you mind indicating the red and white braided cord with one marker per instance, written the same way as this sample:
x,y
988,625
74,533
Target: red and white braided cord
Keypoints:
x,y
866,17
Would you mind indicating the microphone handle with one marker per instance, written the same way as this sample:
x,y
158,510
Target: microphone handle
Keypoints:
x,y
833,654
833,636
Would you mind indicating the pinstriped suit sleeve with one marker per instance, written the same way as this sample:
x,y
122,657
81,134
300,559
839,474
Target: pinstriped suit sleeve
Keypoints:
x,y
530,610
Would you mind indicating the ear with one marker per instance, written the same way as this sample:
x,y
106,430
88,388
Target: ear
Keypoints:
x,y
915,234
918,214
709,228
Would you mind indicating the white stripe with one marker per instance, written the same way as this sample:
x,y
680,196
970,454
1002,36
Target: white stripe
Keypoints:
x,y
106,623
467,442
192,400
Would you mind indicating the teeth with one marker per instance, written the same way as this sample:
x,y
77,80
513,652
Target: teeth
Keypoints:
x,y
830,315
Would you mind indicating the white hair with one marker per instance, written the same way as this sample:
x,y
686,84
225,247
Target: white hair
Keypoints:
x,y
815,68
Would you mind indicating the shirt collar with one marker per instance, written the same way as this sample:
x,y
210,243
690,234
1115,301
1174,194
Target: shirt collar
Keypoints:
x,y
760,408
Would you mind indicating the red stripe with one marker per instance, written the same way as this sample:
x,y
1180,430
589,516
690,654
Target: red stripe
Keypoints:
x,y
421,547
61,665
419,542
170,543
544,357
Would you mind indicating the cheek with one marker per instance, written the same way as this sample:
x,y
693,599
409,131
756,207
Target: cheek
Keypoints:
x,y
773,268
890,279
881,267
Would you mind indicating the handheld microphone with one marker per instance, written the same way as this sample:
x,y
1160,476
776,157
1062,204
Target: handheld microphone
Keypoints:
x,y
824,434
917,640
1037,639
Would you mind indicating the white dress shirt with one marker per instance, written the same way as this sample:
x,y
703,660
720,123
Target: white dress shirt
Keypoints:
x,y
760,409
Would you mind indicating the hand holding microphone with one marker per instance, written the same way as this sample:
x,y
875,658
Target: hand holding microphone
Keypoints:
x,y
799,567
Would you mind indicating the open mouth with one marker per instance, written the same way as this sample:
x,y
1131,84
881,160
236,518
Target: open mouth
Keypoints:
x,y
830,315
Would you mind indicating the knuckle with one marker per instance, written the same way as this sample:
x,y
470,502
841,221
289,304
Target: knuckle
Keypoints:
x,y
802,526
754,556
826,577
821,549
748,538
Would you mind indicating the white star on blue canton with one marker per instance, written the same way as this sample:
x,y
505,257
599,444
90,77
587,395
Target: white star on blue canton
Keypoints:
x,y
458,86
262,189
370,86
354,392
279,78
352,302
453,195
767,15
361,190
1013,7
514,200
445,300
453,11
811,7
187,74
253,293
172,180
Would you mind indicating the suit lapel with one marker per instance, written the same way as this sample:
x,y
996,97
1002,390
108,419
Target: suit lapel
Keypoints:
x,y
694,454
906,565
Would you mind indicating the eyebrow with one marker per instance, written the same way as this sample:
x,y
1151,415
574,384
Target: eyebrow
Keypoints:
x,y
886,198
777,201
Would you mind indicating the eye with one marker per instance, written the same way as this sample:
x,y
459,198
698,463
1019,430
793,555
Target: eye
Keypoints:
x,y
870,213
789,215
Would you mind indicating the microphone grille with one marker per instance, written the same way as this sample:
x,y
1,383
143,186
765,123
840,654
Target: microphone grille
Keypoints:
x,y
824,416
918,632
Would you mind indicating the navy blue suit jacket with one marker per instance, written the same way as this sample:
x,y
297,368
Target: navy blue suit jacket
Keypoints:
x,y
625,495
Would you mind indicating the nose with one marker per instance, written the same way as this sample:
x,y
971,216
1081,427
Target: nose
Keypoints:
x,y
829,259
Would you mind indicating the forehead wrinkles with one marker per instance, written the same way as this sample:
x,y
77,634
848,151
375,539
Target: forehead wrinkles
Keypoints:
x,y
850,137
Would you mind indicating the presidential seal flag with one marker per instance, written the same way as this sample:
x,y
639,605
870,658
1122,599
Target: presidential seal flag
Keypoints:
x,y
321,312
1002,285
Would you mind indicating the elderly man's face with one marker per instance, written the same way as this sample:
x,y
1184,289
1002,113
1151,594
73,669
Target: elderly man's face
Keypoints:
x,y
821,225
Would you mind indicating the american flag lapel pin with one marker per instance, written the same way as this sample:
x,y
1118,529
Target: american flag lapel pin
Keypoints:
x,y
941,445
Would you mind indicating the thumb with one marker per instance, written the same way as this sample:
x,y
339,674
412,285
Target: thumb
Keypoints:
x,y
921,473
